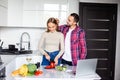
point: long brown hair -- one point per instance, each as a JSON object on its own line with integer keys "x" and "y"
{"x": 54, "y": 21}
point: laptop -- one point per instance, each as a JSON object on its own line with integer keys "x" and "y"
{"x": 86, "y": 67}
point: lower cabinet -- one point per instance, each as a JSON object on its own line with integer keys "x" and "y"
{"x": 19, "y": 61}
{"x": 9, "y": 68}
{"x": 2, "y": 74}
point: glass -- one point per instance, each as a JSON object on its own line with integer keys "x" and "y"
{"x": 28, "y": 59}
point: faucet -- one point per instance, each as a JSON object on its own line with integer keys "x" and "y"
{"x": 21, "y": 40}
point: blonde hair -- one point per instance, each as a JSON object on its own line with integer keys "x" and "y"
{"x": 54, "y": 21}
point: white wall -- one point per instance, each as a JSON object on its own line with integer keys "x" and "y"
{"x": 117, "y": 67}
{"x": 12, "y": 36}
{"x": 73, "y": 6}
{"x": 117, "y": 62}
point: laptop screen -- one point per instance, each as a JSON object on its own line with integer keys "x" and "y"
{"x": 86, "y": 67}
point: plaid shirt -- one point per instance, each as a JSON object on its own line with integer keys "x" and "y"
{"x": 78, "y": 43}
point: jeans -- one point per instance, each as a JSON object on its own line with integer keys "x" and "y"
{"x": 64, "y": 62}
{"x": 52, "y": 57}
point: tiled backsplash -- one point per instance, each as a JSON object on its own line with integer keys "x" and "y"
{"x": 12, "y": 36}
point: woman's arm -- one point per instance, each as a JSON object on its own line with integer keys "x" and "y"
{"x": 41, "y": 48}
{"x": 41, "y": 44}
{"x": 61, "y": 46}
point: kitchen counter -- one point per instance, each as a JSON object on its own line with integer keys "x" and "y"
{"x": 13, "y": 62}
{"x": 10, "y": 62}
{"x": 52, "y": 74}
{"x": 7, "y": 57}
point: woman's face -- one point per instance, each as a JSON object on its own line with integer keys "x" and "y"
{"x": 52, "y": 27}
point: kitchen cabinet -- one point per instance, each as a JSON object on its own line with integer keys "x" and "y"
{"x": 35, "y": 13}
{"x": 44, "y": 4}
{"x": 3, "y": 12}
{"x": 14, "y": 62}
{"x": 8, "y": 64}
{"x": 39, "y": 18}
{"x": 2, "y": 74}
{"x": 15, "y": 12}
{"x": 10, "y": 67}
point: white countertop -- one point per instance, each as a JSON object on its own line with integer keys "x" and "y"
{"x": 6, "y": 59}
{"x": 48, "y": 74}
{"x": 52, "y": 74}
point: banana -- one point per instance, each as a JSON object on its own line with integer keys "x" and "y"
{"x": 23, "y": 70}
{"x": 15, "y": 73}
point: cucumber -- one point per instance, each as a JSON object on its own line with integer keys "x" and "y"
{"x": 60, "y": 68}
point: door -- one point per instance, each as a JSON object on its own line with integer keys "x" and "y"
{"x": 99, "y": 22}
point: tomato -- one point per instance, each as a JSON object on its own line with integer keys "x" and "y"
{"x": 52, "y": 64}
{"x": 38, "y": 72}
{"x": 48, "y": 67}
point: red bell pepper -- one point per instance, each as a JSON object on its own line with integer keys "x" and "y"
{"x": 52, "y": 65}
{"x": 38, "y": 72}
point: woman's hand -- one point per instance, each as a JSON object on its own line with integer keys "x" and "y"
{"x": 47, "y": 56}
{"x": 56, "y": 60}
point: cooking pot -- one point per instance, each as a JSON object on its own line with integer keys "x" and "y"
{"x": 11, "y": 47}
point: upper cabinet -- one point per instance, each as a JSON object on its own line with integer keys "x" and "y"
{"x": 44, "y": 4}
{"x": 35, "y": 13}
{"x": 3, "y": 12}
{"x": 15, "y": 13}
